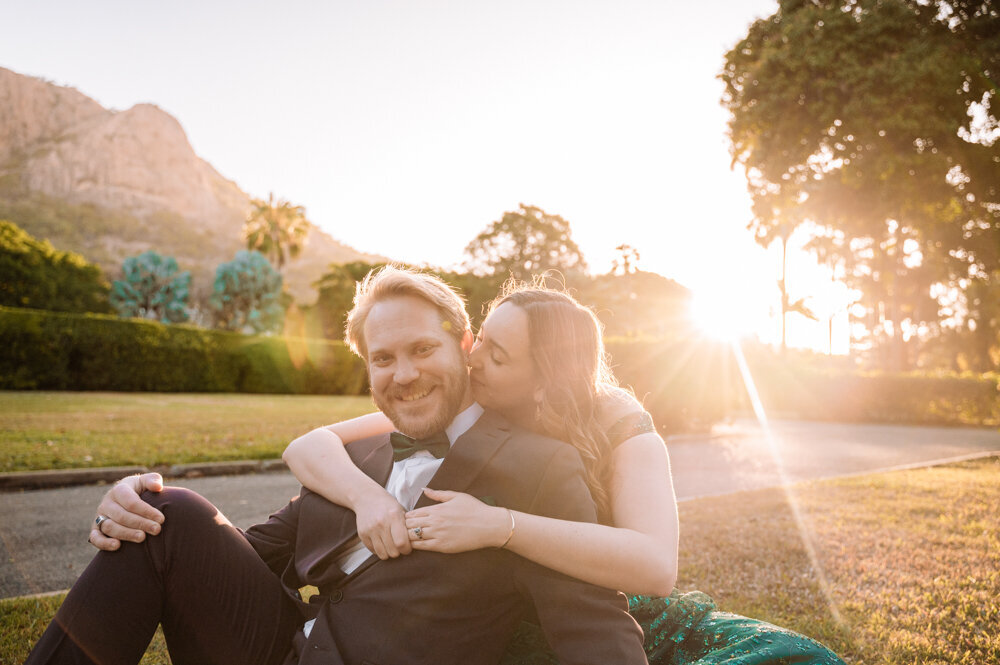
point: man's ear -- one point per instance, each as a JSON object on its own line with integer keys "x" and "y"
{"x": 468, "y": 339}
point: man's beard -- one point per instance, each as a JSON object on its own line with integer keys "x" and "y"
{"x": 448, "y": 398}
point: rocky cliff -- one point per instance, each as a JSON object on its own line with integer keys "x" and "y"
{"x": 63, "y": 153}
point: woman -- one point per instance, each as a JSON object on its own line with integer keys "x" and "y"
{"x": 539, "y": 361}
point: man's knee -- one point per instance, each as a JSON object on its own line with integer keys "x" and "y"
{"x": 180, "y": 505}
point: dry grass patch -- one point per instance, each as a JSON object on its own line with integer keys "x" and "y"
{"x": 909, "y": 562}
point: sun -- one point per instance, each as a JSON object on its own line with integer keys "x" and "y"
{"x": 724, "y": 316}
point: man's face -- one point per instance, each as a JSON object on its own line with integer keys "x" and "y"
{"x": 417, "y": 370}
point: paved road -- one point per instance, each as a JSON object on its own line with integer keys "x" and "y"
{"x": 43, "y": 532}
{"x": 741, "y": 456}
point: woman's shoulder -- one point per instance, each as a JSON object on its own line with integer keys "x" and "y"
{"x": 622, "y": 416}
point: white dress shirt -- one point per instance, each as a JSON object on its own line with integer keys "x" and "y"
{"x": 408, "y": 479}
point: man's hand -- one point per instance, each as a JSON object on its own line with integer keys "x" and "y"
{"x": 382, "y": 525}
{"x": 128, "y": 517}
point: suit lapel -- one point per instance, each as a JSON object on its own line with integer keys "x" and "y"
{"x": 374, "y": 458}
{"x": 469, "y": 455}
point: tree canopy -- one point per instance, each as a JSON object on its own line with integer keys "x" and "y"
{"x": 153, "y": 288}
{"x": 522, "y": 243}
{"x": 869, "y": 123}
{"x": 277, "y": 229}
{"x": 335, "y": 296}
{"x": 246, "y": 296}
{"x": 35, "y": 274}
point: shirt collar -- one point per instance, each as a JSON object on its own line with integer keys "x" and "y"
{"x": 463, "y": 422}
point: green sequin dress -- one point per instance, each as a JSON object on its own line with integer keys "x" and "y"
{"x": 686, "y": 628}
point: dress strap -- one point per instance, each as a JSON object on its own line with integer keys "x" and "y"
{"x": 629, "y": 425}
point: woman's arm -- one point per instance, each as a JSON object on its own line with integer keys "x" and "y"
{"x": 637, "y": 555}
{"x": 321, "y": 463}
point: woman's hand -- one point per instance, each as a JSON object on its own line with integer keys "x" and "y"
{"x": 382, "y": 524}
{"x": 458, "y": 524}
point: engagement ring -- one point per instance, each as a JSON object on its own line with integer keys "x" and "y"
{"x": 419, "y": 532}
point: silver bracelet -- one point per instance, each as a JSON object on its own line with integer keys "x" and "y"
{"x": 511, "y": 534}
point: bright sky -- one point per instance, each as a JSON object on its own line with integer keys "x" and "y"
{"x": 406, "y": 127}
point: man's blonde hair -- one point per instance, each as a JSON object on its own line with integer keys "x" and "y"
{"x": 393, "y": 282}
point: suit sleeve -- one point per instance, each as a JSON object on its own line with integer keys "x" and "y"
{"x": 584, "y": 624}
{"x": 274, "y": 540}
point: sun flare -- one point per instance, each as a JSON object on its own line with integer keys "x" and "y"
{"x": 720, "y": 317}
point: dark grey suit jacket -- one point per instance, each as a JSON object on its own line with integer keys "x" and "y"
{"x": 450, "y": 608}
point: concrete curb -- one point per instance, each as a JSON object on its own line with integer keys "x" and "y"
{"x": 38, "y": 480}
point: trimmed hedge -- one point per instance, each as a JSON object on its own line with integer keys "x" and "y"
{"x": 685, "y": 384}
{"x": 910, "y": 398}
{"x": 52, "y": 351}
{"x": 691, "y": 384}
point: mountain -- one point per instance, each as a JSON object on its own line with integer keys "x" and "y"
{"x": 111, "y": 184}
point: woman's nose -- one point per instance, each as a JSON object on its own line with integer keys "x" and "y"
{"x": 475, "y": 356}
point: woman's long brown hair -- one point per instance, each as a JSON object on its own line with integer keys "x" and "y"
{"x": 567, "y": 350}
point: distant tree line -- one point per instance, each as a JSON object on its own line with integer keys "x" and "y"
{"x": 525, "y": 244}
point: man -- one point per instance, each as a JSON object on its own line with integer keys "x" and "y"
{"x": 223, "y": 596}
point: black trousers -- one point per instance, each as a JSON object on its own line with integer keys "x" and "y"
{"x": 199, "y": 577}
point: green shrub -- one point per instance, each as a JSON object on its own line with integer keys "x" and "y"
{"x": 46, "y": 350}
{"x": 35, "y": 274}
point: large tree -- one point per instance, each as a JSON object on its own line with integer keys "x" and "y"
{"x": 523, "y": 243}
{"x": 277, "y": 229}
{"x": 869, "y": 122}
{"x": 35, "y": 274}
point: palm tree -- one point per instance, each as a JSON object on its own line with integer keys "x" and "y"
{"x": 276, "y": 228}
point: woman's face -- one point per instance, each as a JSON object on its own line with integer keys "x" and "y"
{"x": 501, "y": 371}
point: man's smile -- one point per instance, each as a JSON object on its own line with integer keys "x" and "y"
{"x": 414, "y": 396}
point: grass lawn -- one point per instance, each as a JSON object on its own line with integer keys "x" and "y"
{"x": 58, "y": 430}
{"x": 908, "y": 565}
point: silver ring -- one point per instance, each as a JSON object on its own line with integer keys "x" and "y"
{"x": 101, "y": 519}
{"x": 419, "y": 532}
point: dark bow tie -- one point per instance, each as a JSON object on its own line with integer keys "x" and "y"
{"x": 404, "y": 446}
